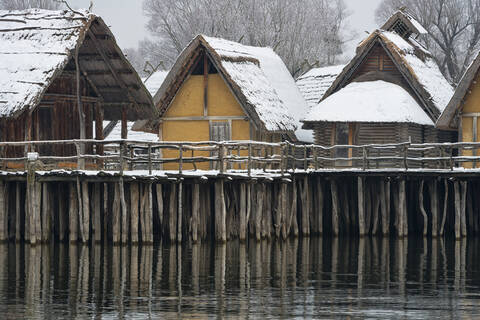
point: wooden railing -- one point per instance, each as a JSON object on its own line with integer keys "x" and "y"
{"x": 121, "y": 155}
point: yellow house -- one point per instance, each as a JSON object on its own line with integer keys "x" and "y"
{"x": 463, "y": 111}
{"x": 220, "y": 90}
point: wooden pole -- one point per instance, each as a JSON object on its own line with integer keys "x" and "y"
{"x": 134, "y": 207}
{"x": 196, "y": 211}
{"x": 46, "y": 212}
{"x": 335, "y": 207}
{"x": 86, "y": 212}
{"x": 385, "y": 206}
{"x": 116, "y": 215}
{"x": 99, "y": 131}
{"x": 172, "y": 213}
{"x": 422, "y": 208}
{"x": 160, "y": 208}
{"x": 73, "y": 214}
{"x": 259, "y": 211}
{"x": 220, "y": 212}
{"x": 284, "y": 209}
{"x": 305, "y": 208}
{"x": 149, "y": 213}
{"x": 320, "y": 201}
{"x": 458, "y": 209}
{"x": 180, "y": 211}
{"x": 3, "y": 212}
{"x": 361, "y": 206}
{"x": 445, "y": 208}
{"x": 97, "y": 210}
{"x": 433, "y": 187}
{"x": 402, "y": 204}
{"x": 242, "y": 232}
{"x": 463, "y": 217}
{"x": 123, "y": 204}
{"x": 81, "y": 114}
{"x": 18, "y": 210}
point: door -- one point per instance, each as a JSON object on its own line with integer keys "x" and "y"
{"x": 219, "y": 131}
{"x": 343, "y": 136}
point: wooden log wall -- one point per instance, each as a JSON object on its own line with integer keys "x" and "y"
{"x": 144, "y": 211}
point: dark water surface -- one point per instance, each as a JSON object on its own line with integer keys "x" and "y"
{"x": 306, "y": 278}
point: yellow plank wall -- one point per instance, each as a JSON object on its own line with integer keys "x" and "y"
{"x": 189, "y": 103}
{"x": 471, "y": 105}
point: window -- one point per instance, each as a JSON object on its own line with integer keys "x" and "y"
{"x": 220, "y": 131}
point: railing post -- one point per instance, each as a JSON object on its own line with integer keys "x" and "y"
{"x": 180, "y": 162}
{"x": 220, "y": 157}
{"x": 315, "y": 157}
{"x": 451, "y": 159}
{"x": 282, "y": 159}
{"x": 149, "y": 159}
{"x": 405, "y": 164}
{"x": 364, "y": 158}
{"x": 249, "y": 164}
{"x": 132, "y": 157}
{"x": 80, "y": 161}
{"x": 305, "y": 159}
{"x": 121, "y": 160}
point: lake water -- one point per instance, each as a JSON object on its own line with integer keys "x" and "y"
{"x": 304, "y": 278}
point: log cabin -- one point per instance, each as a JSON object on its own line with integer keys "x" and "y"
{"x": 463, "y": 111}
{"x": 61, "y": 75}
{"x": 221, "y": 90}
{"x": 392, "y": 91}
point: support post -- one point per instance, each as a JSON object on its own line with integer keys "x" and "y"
{"x": 422, "y": 208}
{"x": 463, "y": 217}
{"x": 73, "y": 214}
{"x": 196, "y": 211}
{"x": 361, "y": 206}
{"x": 3, "y": 212}
{"x": 434, "y": 206}
{"x": 220, "y": 212}
{"x": 97, "y": 226}
{"x": 134, "y": 208}
{"x": 335, "y": 207}
{"x": 458, "y": 209}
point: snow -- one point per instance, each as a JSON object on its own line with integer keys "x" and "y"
{"x": 425, "y": 70}
{"x": 154, "y": 81}
{"x": 372, "y": 101}
{"x": 416, "y": 24}
{"x": 316, "y": 82}
{"x": 116, "y": 133}
{"x": 33, "y": 45}
{"x": 266, "y": 83}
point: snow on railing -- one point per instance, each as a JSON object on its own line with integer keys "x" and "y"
{"x": 121, "y": 155}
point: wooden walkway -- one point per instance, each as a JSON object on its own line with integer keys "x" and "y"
{"x": 253, "y": 190}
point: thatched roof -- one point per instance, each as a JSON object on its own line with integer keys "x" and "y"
{"x": 414, "y": 62}
{"x": 411, "y": 25}
{"x": 37, "y": 46}
{"x": 447, "y": 119}
{"x": 314, "y": 83}
{"x": 257, "y": 77}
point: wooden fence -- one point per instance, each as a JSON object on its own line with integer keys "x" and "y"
{"x": 121, "y": 155}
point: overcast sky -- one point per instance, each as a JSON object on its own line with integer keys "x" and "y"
{"x": 126, "y": 19}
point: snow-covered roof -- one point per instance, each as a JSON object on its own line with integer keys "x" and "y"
{"x": 257, "y": 76}
{"x": 116, "y": 133}
{"x": 35, "y": 47}
{"x": 412, "y": 23}
{"x": 414, "y": 62}
{"x": 371, "y": 101}
{"x": 446, "y": 120}
{"x": 154, "y": 81}
{"x": 314, "y": 83}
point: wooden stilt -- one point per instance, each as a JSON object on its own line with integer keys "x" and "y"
{"x": 433, "y": 187}
{"x": 46, "y": 213}
{"x": 37, "y": 207}
{"x": 123, "y": 212}
{"x": 159, "y": 195}
{"x": 361, "y": 206}
{"x": 403, "y": 208}
{"x": 242, "y": 233}
{"x": 335, "y": 207}
{"x": 283, "y": 209}
{"x": 305, "y": 208}
{"x": 97, "y": 208}
{"x": 116, "y": 215}
{"x": 172, "y": 213}
{"x": 445, "y": 208}
{"x": 319, "y": 199}
{"x": 149, "y": 213}
{"x": 422, "y": 208}
{"x": 73, "y": 214}
{"x": 18, "y": 212}
{"x": 134, "y": 208}
{"x": 463, "y": 217}
{"x": 376, "y": 207}
{"x": 180, "y": 212}
{"x": 106, "y": 211}
{"x": 458, "y": 209}
{"x": 196, "y": 210}
{"x": 220, "y": 213}
{"x": 86, "y": 213}
{"x": 385, "y": 206}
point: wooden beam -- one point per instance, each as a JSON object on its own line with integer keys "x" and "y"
{"x": 104, "y": 72}
{"x": 124, "y": 133}
{"x": 117, "y": 77}
{"x": 205, "y": 84}
{"x": 69, "y": 97}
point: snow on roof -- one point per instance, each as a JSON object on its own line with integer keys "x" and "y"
{"x": 316, "y": 82}
{"x": 266, "y": 83}
{"x": 154, "y": 81}
{"x": 34, "y": 44}
{"x": 372, "y": 101}
{"x": 116, "y": 133}
{"x": 424, "y": 69}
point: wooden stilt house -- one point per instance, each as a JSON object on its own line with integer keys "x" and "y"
{"x": 61, "y": 75}
{"x": 463, "y": 111}
{"x": 392, "y": 91}
{"x": 221, "y": 90}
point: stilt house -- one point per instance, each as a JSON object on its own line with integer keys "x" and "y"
{"x": 221, "y": 90}
{"x": 53, "y": 61}
{"x": 463, "y": 111}
{"x": 392, "y": 91}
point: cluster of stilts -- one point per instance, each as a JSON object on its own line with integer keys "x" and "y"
{"x": 221, "y": 209}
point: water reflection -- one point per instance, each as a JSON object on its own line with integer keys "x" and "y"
{"x": 315, "y": 278}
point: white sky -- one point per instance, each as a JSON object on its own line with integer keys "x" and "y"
{"x": 125, "y": 17}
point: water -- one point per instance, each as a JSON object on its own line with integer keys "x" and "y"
{"x": 309, "y": 278}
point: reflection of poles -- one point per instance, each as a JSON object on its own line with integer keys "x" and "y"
{"x": 401, "y": 260}
{"x": 32, "y": 272}
{"x": 73, "y": 278}
{"x": 423, "y": 257}
{"x": 385, "y": 264}
{"x": 360, "y": 269}
{"x": 134, "y": 275}
{"x": 195, "y": 268}
{"x": 83, "y": 274}
{"x": 434, "y": 264}
{"x": 460, "y": 259}
{"x": 220, "y": 259}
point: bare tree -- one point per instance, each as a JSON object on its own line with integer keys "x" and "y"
{"x": 303, "y": 32}
{"x": 26, "y": 4}
{"x": 453, "y": 26}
